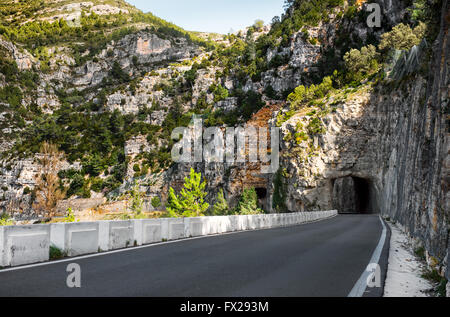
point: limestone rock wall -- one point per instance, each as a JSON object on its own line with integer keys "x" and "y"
{"x": 396, "y": 138}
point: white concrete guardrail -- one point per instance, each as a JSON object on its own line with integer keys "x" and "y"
{"x": 21, "y": 245}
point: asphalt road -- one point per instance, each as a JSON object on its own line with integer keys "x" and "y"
{"x": 320, "y": 259}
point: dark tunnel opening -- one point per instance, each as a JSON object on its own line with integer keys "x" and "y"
{"x": 353, "y": 195}
{"x": 362, "y": 192}
{"x": 262, "y": 196}
{"x": 261, "y": 193}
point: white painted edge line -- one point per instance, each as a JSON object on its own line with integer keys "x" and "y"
{"x": 361, "y": 285}
{"x": 74, "y": 259}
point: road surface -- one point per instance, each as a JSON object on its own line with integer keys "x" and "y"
{"x": 325, "y": 258}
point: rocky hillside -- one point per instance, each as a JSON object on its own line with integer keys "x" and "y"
{"x": 363, "y": 111}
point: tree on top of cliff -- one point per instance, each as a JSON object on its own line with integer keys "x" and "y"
{"x": 402, "y": 37}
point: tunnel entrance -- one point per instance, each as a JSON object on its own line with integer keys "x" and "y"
{"x": 352, "y": 195}
{"x": 262, "y": 197}
{"x": 362, "y": 191}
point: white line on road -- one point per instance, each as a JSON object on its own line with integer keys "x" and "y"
{"x": 361, "y": 285}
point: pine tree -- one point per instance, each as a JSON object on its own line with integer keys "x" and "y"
{"x": 221, "y": 206}
{"x": 248, "y": 205}
{"x": 191, "y": 201}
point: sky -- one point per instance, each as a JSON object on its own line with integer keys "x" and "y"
{"x": 218, "y": 16}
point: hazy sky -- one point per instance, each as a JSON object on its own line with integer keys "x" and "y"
{"x": 212, "y": 15}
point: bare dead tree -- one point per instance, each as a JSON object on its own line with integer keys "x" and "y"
{"x": 48, "y": 189}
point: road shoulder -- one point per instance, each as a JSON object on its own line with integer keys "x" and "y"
{"x": 404, "y": 272}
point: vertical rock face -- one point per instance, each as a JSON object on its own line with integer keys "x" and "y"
{"x": 396, "y": 139}
{"x": 344, "y": 195}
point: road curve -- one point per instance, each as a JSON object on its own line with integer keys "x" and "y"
{"x": 325, "y": 258}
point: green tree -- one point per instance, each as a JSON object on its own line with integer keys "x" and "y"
{"x": 258, "y": 25}
{"x": 402, "y": 37}
{"x": 221, "y": 206}
{"x": 248, "y": 204}
{"x": 191, "y": 201}
{"x": 361, "y": 63}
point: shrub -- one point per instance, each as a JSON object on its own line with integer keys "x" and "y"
{"x": 361, "y": 63}
{"x": 315, "y": 126}
{"x": 303, "y": 94}
{"x": 220, "y": 93}
{"x": 402, "y": 37}
{"x": 248, "y": 204}
{"x": 5, "y": 220}
{"x": 221, "y": 206}
{"x": 70, "y": 216}
{"x": 56, "y": 253}
{"x": 156, "y": 202}
{"x": 137, "y": 202}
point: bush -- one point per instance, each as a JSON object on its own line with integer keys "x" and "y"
{"x": 303, "y": 94}
{"x": 56, "y": 253}
{"x": 315, "y": 126}
{"x": 248, "y": 204}
{"x": 70, "y": 216}
{"x": 361, "y": 63}
{"x": 137, "y": 202}
{"x": 402, "y": 37}
{"x": 220, "y": 93}
{"x": 5, "y": 220}
{"x": 221, "y": 207}
{"x": 156, "y": 202}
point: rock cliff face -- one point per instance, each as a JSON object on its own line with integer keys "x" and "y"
{"x": 385, "y": 145}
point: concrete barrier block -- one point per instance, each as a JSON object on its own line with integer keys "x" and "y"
{"x": 290, "y": 220}
{"x": 138, "y": 227}
{"x": 103, "y": 235}
{"x": 258, "y": 220}
{"x": 242, "y": 223}
{"x": 224, "y": 224}
{"x": 213, "y": 225}
{"x": 234, "y": 222}
{"x": 83, "y": 242}
{"x": 58, "y": 235}
{"x": 283, "y": 220}
{"x": 151, "y": 231}
{"x": 175, "y": 228}
{"x": 75, "y": 238}
{"x": 165, "y": 229}
{"x": 121, "y": 234}
{"x": 25, "y": 244}
{"x": 264, "y": 221}
{"x": 115, "y": 234}
{"x": 198, "y": 226}
{"x": 270, "y": 221}
{"x": 275, "y": 220}
{"x": 251, "y": 222}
